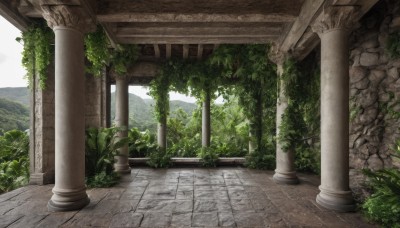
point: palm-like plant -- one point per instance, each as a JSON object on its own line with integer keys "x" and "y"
{"x": 101, "y": 148}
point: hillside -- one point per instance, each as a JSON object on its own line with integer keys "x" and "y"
{"x": 17, "y": 94}
{"x": 141, "y": 111}
{"x": 13, "y": 115}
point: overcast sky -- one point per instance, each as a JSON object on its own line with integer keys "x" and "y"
{"x": 12, "y": 73}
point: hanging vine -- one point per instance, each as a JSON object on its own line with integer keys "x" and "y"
{"x": 37, "y": 52}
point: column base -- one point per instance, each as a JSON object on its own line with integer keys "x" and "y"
{"x": 122, "y": 169}
{"x": 42, "y": 178}
{"x": 68, "y": 200}
{"x": 341, "y": 201}
{"x": 285, "y": 177}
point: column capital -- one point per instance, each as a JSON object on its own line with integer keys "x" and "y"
{"x": 68, "y": 15}
{"x": 336, "y": 17}
{"x": 277, "y": 56}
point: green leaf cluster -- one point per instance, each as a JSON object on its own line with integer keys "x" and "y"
{"x": 14, "y": 160}
{"x": 159, "y": 158}
{"x": 100, "y": 149}
{"x": 299, "y": 129}
{"x": 383, "y": 206}
{"x": 141, "y": 143}
{"x": 100, "y": 55}
{"x": 208, "y": 156}
{"x": 37, "y": 53}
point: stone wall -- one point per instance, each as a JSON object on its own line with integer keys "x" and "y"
{"x": 97, "y": 94}
{"x": 374, "y": 90}
{"x": 42, "y": 131}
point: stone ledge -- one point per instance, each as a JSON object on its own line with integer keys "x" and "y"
{"x": 191, "y": 161}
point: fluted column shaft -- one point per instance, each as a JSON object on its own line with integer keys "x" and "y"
{"x": 69, "y": 192}
{"x": 122, "y": 121}
{"x": 333, "y": 30}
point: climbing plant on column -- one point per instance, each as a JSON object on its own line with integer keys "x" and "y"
{"x": 37, "y": 52}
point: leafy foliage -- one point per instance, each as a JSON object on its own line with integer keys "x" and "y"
{"x": 141, "y": 143}
{"x": 99, "y": 54}
{"x": 393, "y": 45}
{"x": 37, "y": 52}
{"x": 208, "y": 157}
{"x": 299, "y": 129}
{"x": 159, "y": 158}
{"x": 14, "y": 161}
{"x": 384, "y": 204}
{"x": 101, "y": 147}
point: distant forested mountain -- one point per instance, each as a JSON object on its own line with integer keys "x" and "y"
{"x": 15, "y": 114}
{"x": 17, "y": 94}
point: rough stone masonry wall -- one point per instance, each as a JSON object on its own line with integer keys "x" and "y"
{"x": 374, "y": 85}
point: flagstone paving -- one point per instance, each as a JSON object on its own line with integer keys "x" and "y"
{"x": 186, "y": 197}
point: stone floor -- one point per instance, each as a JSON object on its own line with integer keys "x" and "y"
{"x": 187, "y": 197}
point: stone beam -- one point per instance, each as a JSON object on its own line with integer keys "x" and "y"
{"x": 201, "y": 10}
{"x": 168, "y": 51}
{"x": 224, "y": 29}
{"x": 12, "y": 16}
{"x": 307, "y": 13}
{"x": 156, "y": 51}
{"x": 110, "y": 32}
{"x": 185, "y": 51}
{"x": 198, "y": 40}
{"x": 309, "y": 40}
{"x": 199, "y": 51}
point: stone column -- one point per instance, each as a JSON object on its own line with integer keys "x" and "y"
{"x": 121, "y": 120}
{"x": 285, "y": 172}
{"x": 333, "y": 29}
{"x": 69, "y": 24}
{"x": 252, "y": 143}
{"x": 162, "y": 133}
{"x": 206, "y": 122}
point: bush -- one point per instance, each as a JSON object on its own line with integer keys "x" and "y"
{"x": 159, "y": 158}
{"x": 209, "y": 157}
{"x": 101, "y": 148}
{"x": 14, "y": 160}
{"x": 257, "y": 160}
{"x": 141, "y": 144}
{"x": 383, "y": 206}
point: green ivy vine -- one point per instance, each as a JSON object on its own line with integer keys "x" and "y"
{"x": 100, "y": 55}
{"x": 299, "y": 129}
{"x": 37, "y": 52}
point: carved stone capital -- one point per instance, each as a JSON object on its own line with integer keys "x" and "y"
{"x": 72, "y": 16}
{"x": 117, "y": 77}
{"x": 336, "y": 17}
{"x": 277, "y": 56}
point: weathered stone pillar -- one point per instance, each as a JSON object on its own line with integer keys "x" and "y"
{"x": 69, "y": 24}
{"x": 121, "y": 121}
{"x": 252, "y": 141}
{"x": 162, "y": 133}
{"x": 333, "y": 29}
{"x": 206, "y": 121}
{"x": 285, "y": 172}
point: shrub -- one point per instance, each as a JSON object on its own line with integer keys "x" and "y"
{"x": 383, "y": 205}
{"x": 101, "y": 148}
{"x": 14, "y": 161}
{"x": 159, "y": 158}
{"x": 209, "y": 157}
{"x": 141, "y": 143}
